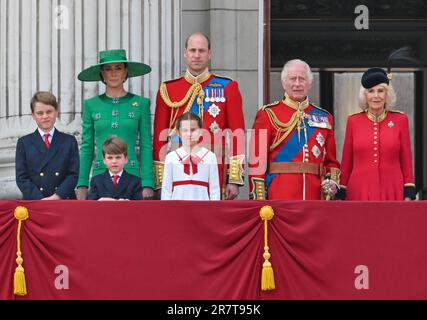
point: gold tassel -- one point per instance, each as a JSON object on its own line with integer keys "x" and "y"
{"x": 267, "y": 276}
{"x": 19, "y": 284}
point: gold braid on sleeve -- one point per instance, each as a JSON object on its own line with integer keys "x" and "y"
{"x": 258, "y": 191}
{"x": 158, "y": 174}
{"x": 336, "y": 175}
{"x": 235, "y": 171}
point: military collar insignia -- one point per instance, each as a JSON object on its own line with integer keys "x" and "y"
{"x": 375, "y": 118}
{"x": 295, "y": 104}
{"x": 198, "y": 79}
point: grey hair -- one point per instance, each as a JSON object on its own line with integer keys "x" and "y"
{"x": 284, "y": 73}
{"x": 390, "y": 96}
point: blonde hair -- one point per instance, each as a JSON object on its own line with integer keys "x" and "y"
{"x": 390, "y": 96}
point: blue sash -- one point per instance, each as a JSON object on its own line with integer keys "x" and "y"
{"x": 292, "y": 147}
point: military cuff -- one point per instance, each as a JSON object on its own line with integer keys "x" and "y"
{"x": 335, "y": 175}
{"x": 158, "y": 174}
{"x": 258, "y": 189}
{"x": 236, "y": 171}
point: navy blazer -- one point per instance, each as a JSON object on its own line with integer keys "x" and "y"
{"x": 129, "y": 187}
{"x": 41, "y": 172}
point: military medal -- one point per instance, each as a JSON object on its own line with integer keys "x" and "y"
{"x": 207, "y": 99}
{"x": 390, "y": 124}
{"x": 217, "y": 97}
{"x": 320, "y": 139}
{"x": 222, "y": 96}
{"x": 214, "y": 110}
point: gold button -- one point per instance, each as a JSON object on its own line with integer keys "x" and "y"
{"x": 41, "y": 174}
{"x": 56, "y": 173}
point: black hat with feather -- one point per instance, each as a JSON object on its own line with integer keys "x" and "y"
{"x": 375, "y": 76}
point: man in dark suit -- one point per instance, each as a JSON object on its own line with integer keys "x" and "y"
{"x": 115, "y": 183}
{"x": 47, "y": 160}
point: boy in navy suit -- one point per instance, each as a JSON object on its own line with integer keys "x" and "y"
{"x": 47, "y": 160}
{"x": 115, "y": 183}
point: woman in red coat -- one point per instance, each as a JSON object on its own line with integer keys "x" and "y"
{"x": 377, "y": 160}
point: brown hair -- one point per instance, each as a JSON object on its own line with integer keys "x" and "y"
{"x": 188, "y": 116}
{"x": 44, "y": 97}
{"x": 114, "y": 145}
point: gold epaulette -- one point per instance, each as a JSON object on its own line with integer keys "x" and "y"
{"x": 320, "y": 108}
{"x": 269, "y": 105}
{"x": 172, "y": 80}
{"x": 217, "y": 76}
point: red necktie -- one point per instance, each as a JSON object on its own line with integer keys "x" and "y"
{"x": 115, "y": 179}
{"x": 192, "y": 160}
{"x": 46, "y": 140}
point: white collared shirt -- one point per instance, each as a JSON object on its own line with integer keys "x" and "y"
{"x": 116, "y": 174}
{"x": 42, "y": 133}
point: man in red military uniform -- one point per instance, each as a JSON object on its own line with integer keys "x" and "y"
{"x": 217, "y": 100}
{"x": 292, "y": 154}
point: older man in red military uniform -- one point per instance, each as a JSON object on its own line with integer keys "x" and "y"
{"x": 217, "y": 100}
{"x": 292, "y": 154}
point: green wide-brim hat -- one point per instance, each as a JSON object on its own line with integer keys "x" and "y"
{"x": 93, "y": 73}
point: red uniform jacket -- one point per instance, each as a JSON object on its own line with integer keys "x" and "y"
{"x": 287, "y": 162}
{"x": 377, "y": 158}
{"x": 219, "y": 102}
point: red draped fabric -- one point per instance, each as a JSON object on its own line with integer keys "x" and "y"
{"x": 213, "y": 250}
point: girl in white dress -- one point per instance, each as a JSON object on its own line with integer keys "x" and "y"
{"x": 191, "y": 171}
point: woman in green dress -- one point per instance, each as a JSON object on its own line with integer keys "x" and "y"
{"x": 119, "y": 113}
